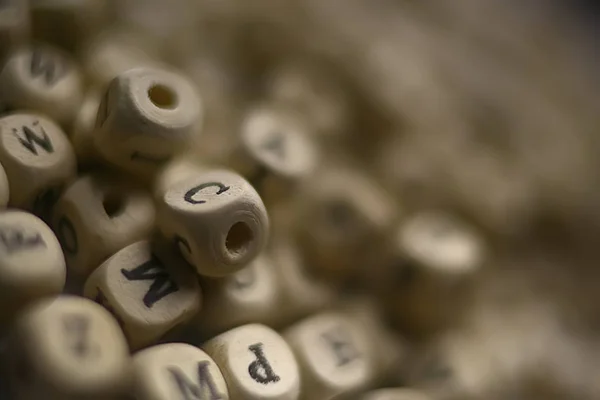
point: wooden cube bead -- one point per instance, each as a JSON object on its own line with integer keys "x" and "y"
{"x": 38, "y": 159}
{"x": 274, "y": 152}
{"x": 177, "y": 371}
{"x": 217, "y": 219}
{"x": 146, "y": 116}
{"x": 42, "y": 79}
{"x": 256, "y": 362}
{"x": 333, "y": 353}
{"x": 68, "y": 348}
{"x": 437, "y": 258}
{"x": 97, "y": 216}
{"x": 173, "y": 172}
{"x": 249, "y": 295}
{"x": 32, "y": 264}
{"x": 14, "y": 26}
{"x": 83, "y": 127}
{"x": 149, "y": 289}
{"x": 301, "y": 293}
{"x": 4, "y": 188}
{"x": 111, "y": 53}
{"x": 395, "y": 394}
{"x": 350, "y": 219}
{"x": 66, "y": 23}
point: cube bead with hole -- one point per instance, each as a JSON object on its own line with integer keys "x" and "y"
{"x": 38, "y": 159}
{"x": 173, "y": 172}
{"x": 249, "y": 295}
{"x": 42, "y": 79}
{"x": 14, "y": 26}
{"x": 67, "y": 24}
{"x": 148, "y": 288}
{"x": 256, "y": 362}
{"x": 333, "y": 353}
{"x": 177, "y": 371}
{"x": 274, "y": 152}
{"x": 68, "y": 348}
{"x": 97, "y": 216}
{"x": 350, "y": 217}
{"x": 395, "y": 394}
{"x": 217, "y": 220}
{"x": 32, "y": 264}
{"x": 146, "y": 116}
{"x": 4, "y": 188}
{"x": 435, "y": 260}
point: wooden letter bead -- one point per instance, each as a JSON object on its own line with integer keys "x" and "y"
{"x": 256, "y": 362}
{"x": 44, "y": 80}
{"x": 83, "y": 127}
{"x": 4, "y": 188}
{"x": 68, "y": 348}
{"x": 437, "y": 258}
{"x": 38, "y": 159}
{"x": 146, "y": 116}
{"x": 333, "y": 353}
{"x": 174, "y": 172}
{"x": 249, "y": 295}
{"x": 148, "y": 289}
{"x": 218, "y": 221}
{"x": 350, "y": 218}
{"x": 395, "y": 394}
{"x": 14, "y": 26}
{"x": 97, "y": 216}
{"x": 274, "y": 153}
{"x": 177, "y": 371}
{"x": 32, "y": 264}
{"x": 67, "y": 23}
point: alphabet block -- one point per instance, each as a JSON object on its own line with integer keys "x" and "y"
{"x": 334, "y": 355}
{"x": 32, "y": 264}
{"x": 256, "y": 362}
{"x": 217, "y": 219}
{"x": 38, "y": 159}
{"x": 68, "y": 348}
{"x": 97, "y": 216}
{"x": 148, "y": 289}
{"x": 146, "y": 116}
{"x": 42, "y": 79}
{"x": 177, "y": 371}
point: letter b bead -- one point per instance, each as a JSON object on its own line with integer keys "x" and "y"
{"x": 256, "y": 362}
{"x": 217, "y": 220}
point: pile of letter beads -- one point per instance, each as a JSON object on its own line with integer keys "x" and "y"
{"x": 132, "y": 267}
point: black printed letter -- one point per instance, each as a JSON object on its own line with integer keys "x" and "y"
{"x": 341, "y": 345}
{"x": 32, "y": 138}
{"x": 15, "y": 239}
{"x": 189, "y": 196}
{"x": 190, "y": 391}
{"x": 153, "y": 270}
{"x": 260, "y": 370}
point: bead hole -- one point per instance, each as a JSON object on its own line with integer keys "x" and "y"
{"x": 238, "y": 238}
{"x": 162, "y": 96}
{"x": 113, "y": 204}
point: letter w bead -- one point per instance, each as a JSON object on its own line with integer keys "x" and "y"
{"x": 32, "y": 139}
{"x": 191, "y": 391}
{"x": 153, "y": 270}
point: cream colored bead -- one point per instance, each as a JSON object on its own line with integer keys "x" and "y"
{"x": 437, "y": 258}
{"x": 333, "y": 353}
{"x": 14, "y": 26}
{"x": 67, "y": 23}
{"x": 256, "y": 362}
{"x": 177, "y": 371}
{"x": 146, "y": 116}
{"x": 113, "y": 52}
{"x": 274, "y": 152}
{"x": 97, "y": 216}
{"x": 349, "y": 219}
{"x": 83, "y": 129}
{"x": 395, "y": 394}
{"x": 217, "y": 219}
{"x": 249, "y": 295}
{"x": 4, "y": 188}
{"x": 32, "y": 264}
{"x": 38, "y": 159}
{"x": 68, "y": 348}
{"x": 301, "y": 293}
{"x": 148, "y": 289}
{"x": 175, "y": 171}
{"x": 42, "y": 79}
